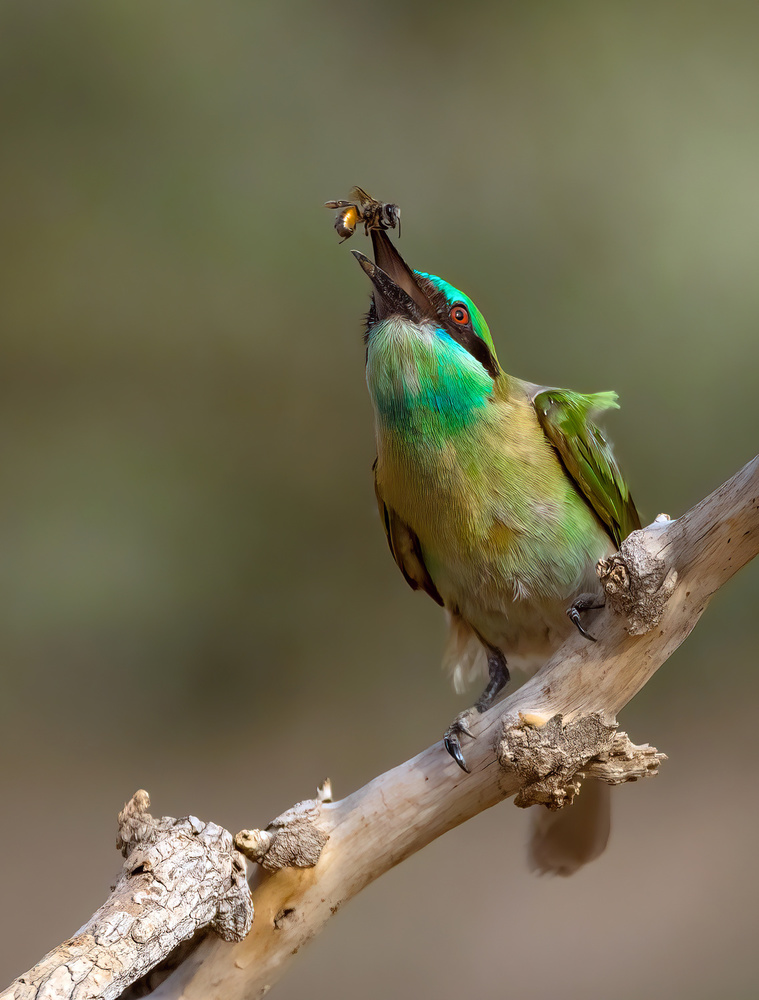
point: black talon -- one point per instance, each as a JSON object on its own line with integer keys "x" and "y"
{"x": 585, "y": 602}
{"x": 451, "y": 739}
{"x": 574, "y": 617}
{"x": 453, "y": 747}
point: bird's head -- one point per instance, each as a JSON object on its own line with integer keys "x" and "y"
{"x": 416, "y": 301}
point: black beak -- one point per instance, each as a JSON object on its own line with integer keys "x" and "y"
{"x": 389, "y": 298}
{"x": 397, "y": 292}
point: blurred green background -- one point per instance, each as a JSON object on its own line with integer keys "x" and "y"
{"x": 196, "y": 593}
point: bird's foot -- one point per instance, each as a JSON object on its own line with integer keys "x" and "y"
{"x": 459, "y": 727}
{"x": 585, "y": 602}
{"x": 499, "y": 678}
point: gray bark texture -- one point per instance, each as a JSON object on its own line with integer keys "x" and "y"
{"x": 537, "y": 745}
{"x": 179, "y": 875}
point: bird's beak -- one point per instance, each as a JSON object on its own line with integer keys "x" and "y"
{"x": 397, "y": 292}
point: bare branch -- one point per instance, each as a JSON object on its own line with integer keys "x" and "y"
{"x": 538, "y": 744}
{"x": 402, "y": 810}
{"x": 178, "y": 876}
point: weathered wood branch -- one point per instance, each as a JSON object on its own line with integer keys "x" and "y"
{"x": 179, "y": 875}
{"x": 538, "y": 744}
{"x": 404, "y": 809}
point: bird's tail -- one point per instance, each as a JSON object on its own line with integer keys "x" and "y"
{"x": 563, "y": 841}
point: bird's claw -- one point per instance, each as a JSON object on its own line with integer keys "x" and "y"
{"x": 459, "y": 727}
{"x": 585, "y": 602}
{"x": 574, "y": 617}
{"x": 452, "y": 745}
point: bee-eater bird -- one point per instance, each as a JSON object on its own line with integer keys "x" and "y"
{"x": 498, "y": 497}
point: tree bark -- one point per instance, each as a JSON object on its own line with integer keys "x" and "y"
{"x": 539, "y": 744}
{"x": 178, "y": 876}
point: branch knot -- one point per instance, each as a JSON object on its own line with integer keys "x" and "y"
{"x": 548, "y": 759}
{"x": 292, "y": 840}
{"x": 552, "y": 761}
{"x": 636, "y": 580}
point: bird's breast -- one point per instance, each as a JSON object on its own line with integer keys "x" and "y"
{"x": 499, "y": 523}
{"x": 463, "y": 461}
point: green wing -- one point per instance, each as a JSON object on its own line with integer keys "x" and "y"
{"x": 406, "y": 549}
{"x": 565, "y": 419}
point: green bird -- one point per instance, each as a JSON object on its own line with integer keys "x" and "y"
{"x": 498, "y": 497}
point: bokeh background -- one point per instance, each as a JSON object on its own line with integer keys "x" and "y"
{"x": 196, "y": 593}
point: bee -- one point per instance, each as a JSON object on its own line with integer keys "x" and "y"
{"x": 363, "y": 208}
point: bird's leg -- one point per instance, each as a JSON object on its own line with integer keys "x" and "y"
{"x": 499, "y": 678}
{"x": 585, "y": 602}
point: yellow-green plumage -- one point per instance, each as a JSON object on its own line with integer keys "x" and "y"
{"x": 498, "y": 497}
{"x": 506, "y": 539}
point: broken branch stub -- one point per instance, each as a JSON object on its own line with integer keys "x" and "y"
{"x": 637, "y": 581}
{"x": 625, "y": 761}
{"x": 292, "y": 840}
{"x": 179, "y": 875}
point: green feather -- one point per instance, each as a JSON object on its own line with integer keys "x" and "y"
{"x": 497, "y": 496}
{"x": 565, "y": 418}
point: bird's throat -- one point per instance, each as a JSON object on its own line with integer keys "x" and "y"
{"x": 424, "y": 386}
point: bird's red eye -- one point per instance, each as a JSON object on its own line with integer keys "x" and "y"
{"x": 459, "y": 314}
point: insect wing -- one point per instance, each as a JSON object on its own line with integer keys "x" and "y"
{"x": 365, "y": 200}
